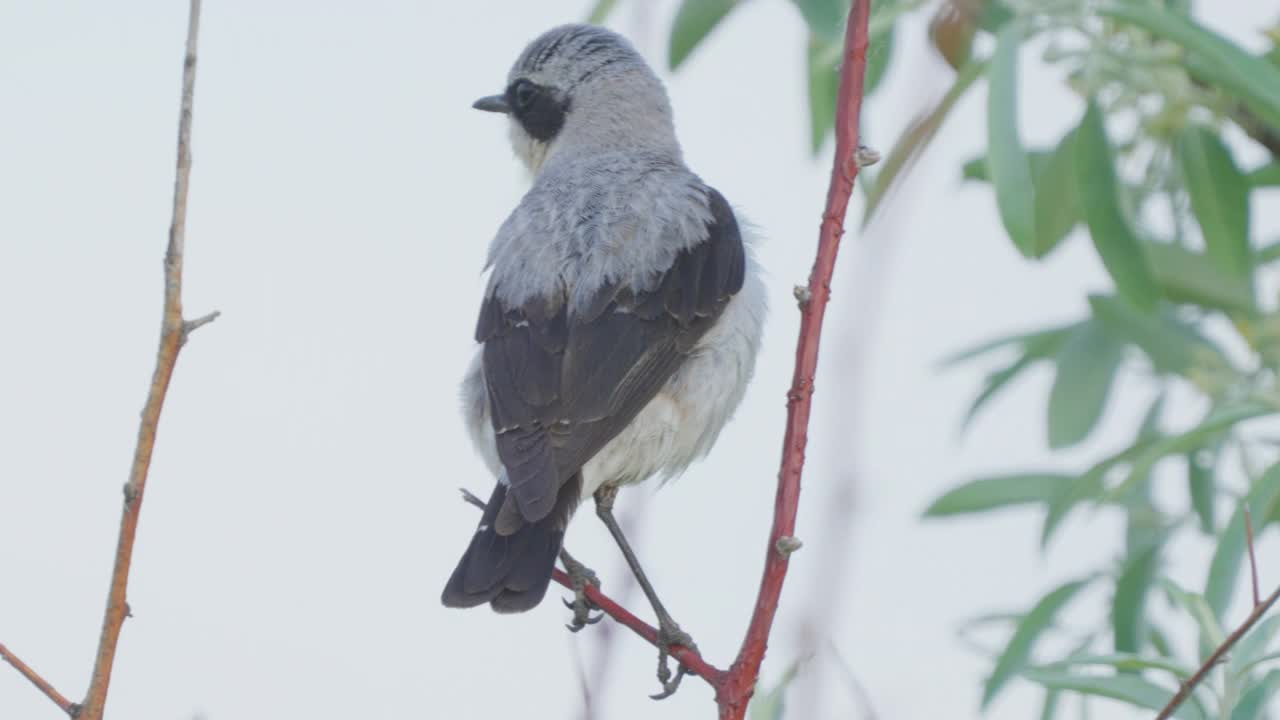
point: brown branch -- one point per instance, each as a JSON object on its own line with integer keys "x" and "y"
{"x": 173, "y": 331}
{"x": 1184, "y": 691}
{"x": 68, "y": 707}
{"x": 734, "y": 694}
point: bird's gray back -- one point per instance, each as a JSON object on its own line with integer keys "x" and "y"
{"x": 614, "y": 218}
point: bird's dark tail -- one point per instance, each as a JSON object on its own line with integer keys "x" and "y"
{"x": 511, "y": 572}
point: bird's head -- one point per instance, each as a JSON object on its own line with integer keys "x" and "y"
{"x": 583, "y": 89}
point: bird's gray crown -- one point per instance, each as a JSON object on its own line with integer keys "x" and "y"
{"x": 582, "y": 89}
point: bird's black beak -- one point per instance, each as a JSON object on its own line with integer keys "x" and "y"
{"x": 492, "y": 103}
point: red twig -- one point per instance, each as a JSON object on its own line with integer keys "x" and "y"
{"x": 690, "y": 659}
{"x": 41, "y": 684}
{"x": 1184, "y": 691}
{"x": 733, "y": 695}
{"x": 1253, "y": 560}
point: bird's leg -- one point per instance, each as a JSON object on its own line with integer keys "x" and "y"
{"x": 580, "y": 576}
{"x": 669, "y": 633}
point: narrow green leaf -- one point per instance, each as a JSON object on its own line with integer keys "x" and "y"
{"x": 1211, "y": 633}
{"x": 1200, "y": 465}
{"x": 1171, "y": 346}
{"x": 1112, "y": 235}
{"x": 1039, "y": 344}
{"x": 917, "y": 136}
{"x": 1219, "y": 198}
{"x": 1086, "y": 486}
{"x": 824, "y": 81}
{"x": 1006, "y": 158}
{"x": 994, "y": 15}
{"x": 1215, "y": 59}
{"x": 1050, "y": 708}
{"x": 976, "y": 169}
{"x": 1018, "y": 651}
{"x": 1124, "y": 662}
{"x": 694, "y": 21}
{"x": 879, "y": 53}
{"x": 1254, "y": 644}
{"x": 601, "y": 10}
{"x": 1087, "y": 365}
{"x": 1253, "y": 701}
{"x": 771, "y": 705}
{"x": 1126, "y": 688}
{"x": 1266, "y": 176}
{"x": 1208, "y": 431}
{"x": 825, "y": 18}
{"x": 1057, "y": 201}
{"x": 1188, "y": 276}
{"x": 1224, "y": 569}
{"x": 1128, "y": 606}
{"x": 997, "y": 492}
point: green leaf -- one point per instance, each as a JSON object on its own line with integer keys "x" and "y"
{"x": 1213, "y": 58}
{"x": 1006, "y": 158}
{"x": 1253, "y": 701}
{"x": 824, "y": 81}
{"x": 771, "y": 705}
{"x": 1254, "y": 645}
{"x": 976, "y": 169}
{"x": 1224, "y": 569}
{"x": 1112, "y": 235}
{"x": 1209, "y": 429}
{"x": 879, "y": 53}
{"x": 997, "y": 492}
{"x": 1211, "y": 634}
{"x": 1171, "y": 346}
{"x": 1086, "y": 486}
{"x": 825, "y": 18}
{"x": 1219, "y": 198}
{"x": 1266, "y": 176}
{"x": 1188, "y": 276}
{"x": 1200, "y": 465}
{"x": 1018, "y": 651}
{"x": 1126, "y": 688}
{"x": 994, "y": 15}
{"x": 1125, "y": 662}
{"x": 1057, "y": 202}
{"x": 1039, "y": 344}
{"x": 601, "y": 10}
{"x": 1087, "y": 365}
{"x": 694, "y": 21}
{"x": 1050, "y": 708}
{"x": 917, "y": 136}
{"x": 1128, "y": 606}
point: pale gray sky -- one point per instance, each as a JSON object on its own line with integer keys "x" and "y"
{"x": 302, "y": 514}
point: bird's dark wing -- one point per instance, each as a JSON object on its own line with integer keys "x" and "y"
{"x": 561, "y": 386}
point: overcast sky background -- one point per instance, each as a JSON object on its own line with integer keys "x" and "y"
{"x": 302, "y": 514}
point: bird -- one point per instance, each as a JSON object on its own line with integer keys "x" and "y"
{"x": 619, "y": 326}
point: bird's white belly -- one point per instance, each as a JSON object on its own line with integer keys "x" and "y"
{"x": 682, "y": 421}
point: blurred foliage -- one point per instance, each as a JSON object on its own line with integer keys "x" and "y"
{"x": 1147, "y": 174}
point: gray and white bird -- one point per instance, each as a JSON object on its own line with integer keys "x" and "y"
{"x": 620, "y": 326}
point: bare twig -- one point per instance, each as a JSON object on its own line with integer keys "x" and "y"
{"x": 1184, "y": 691}
{"x": 173, "y": 330}
{"x": 68, "y": 707}
{"x": 734, "y": 694}
{"x": 1253, "y": 559}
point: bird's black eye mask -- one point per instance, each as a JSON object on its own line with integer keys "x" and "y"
{"x": 536, "y": 108}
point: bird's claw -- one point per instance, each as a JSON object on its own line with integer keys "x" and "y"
{"x": 580, "y": 577}
{"x": 669, "y": 633}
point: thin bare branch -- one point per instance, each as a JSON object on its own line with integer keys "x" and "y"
{"x": 68, "y": 707}
{"x": 173, "y": 331}
{"x": 1184, "y": 691}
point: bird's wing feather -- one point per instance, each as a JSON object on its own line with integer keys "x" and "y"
{"x": 562, "y": 385}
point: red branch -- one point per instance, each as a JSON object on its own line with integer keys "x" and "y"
{"x": 733, "y": 696}
{"x": 41, "y": 684}
{"x": 689, "y": 658}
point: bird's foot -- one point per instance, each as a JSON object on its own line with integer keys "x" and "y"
{"x": 580, "y": 577}
{"x": 669, "y": 633}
